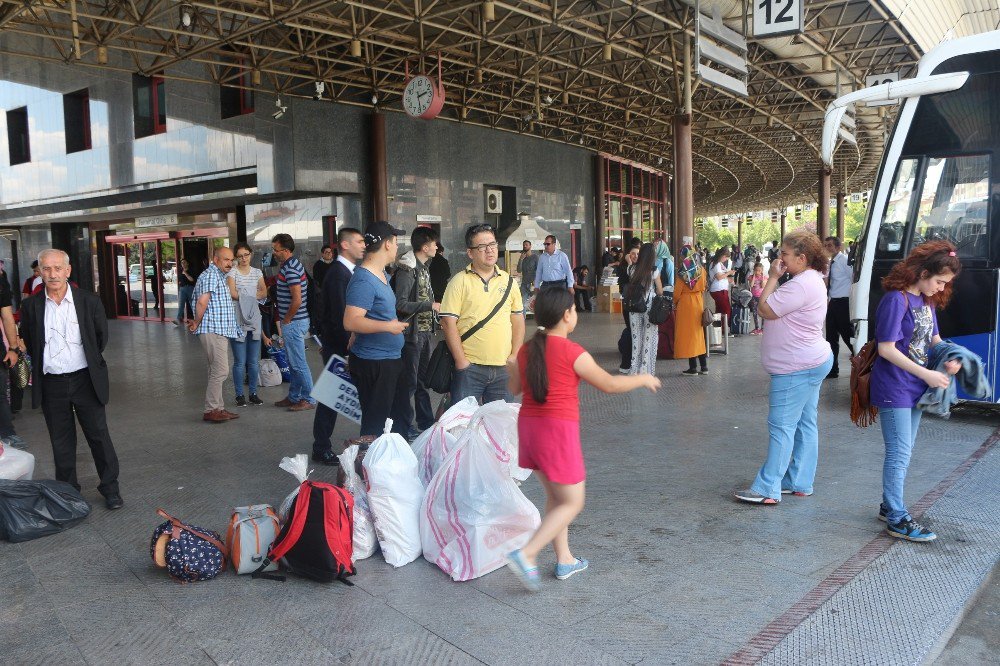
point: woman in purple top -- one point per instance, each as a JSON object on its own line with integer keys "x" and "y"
{"x": 795, "y": 353}
{"x": 906, "y": 330}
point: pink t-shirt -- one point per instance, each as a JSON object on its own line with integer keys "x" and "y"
{"x": 794, "y": 341}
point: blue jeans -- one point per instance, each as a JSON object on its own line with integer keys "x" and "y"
{"x": 295, "y": 346}
{"x": 184, "y": 302}
{"x": 791, "y": 420}
{"x": 899, "y": 430}
{"x": 246, "y": 361}
{"x": 486, "y": 383}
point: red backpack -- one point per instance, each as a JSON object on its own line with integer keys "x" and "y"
{"x": 317, "y": 539}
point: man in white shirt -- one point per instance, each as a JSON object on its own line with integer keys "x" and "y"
{"x": 553, "y": 268}
{"x": 65, "y": 330}
{"x": 838, "y": 314}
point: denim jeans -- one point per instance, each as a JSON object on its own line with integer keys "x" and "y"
{"x": 295, "y": 347}
{"x": 416, "y": 355}
{"x": 791, "y": 420}
{"x": 246, "y": 361}
{"x": 184, "y": 302}
{"x": 486, "y": 383}
{"x": 899, "y": 431}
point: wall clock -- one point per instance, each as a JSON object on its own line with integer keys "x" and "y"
{"x": 423, "y": 96}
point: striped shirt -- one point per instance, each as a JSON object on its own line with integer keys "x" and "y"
{"x": 220, "y": 315}
{"x": 292, "y": 273}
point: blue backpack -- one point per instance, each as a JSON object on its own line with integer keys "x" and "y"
{"x": 188, "y": 553}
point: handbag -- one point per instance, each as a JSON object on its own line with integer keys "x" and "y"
{"x": 20, "y": 372}
{"x": 863, "y": 413}
{"x": 635, "y": 299}
{"x": 441, "y": 365}
{"x": 708, "y": 314}
{"x": 659, "y": 309}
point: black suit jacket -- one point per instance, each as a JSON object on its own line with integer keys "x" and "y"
{"x": 93, "y": 332}
{"x": 334, "y": 295}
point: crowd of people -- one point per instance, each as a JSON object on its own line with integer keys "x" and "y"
{"x": 385, "y": 322}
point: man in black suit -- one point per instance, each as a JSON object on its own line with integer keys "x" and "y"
{"x": 351, "y": 246}
{"x": 65, "y": 331}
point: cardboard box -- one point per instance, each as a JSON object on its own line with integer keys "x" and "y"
{"x": 608, "y": 299}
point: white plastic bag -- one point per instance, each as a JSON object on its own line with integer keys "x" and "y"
{"x": 365, "y": 541}
{"x": 496, "y": 422}
{"x": 394, "y": 495}
{"x": 297, "y": 466}
{"x": 474, "y": 513}
{"x": 434, "y": 444}
{"x": 16, "y": 465}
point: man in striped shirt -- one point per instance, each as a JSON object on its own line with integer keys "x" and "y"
{"x": 293, "y": 299}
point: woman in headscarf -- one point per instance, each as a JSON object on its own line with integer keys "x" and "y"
{"x": 664, "y": 261}
{"x": 689, "y": 303}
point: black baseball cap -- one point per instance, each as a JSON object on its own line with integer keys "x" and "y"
{"x": 376, "y": 232}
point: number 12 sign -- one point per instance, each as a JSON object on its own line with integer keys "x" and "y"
{"x": 772, "y": 18}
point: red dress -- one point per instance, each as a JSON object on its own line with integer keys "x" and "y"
{"x": 549, "y": 432}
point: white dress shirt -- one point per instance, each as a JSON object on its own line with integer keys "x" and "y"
{"x": 63, "y": 342}
{"x": 347, "y": 262}
{"x": 840, "y": 277}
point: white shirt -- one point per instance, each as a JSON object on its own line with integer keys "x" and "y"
{"x": 63, "y": 344}
{"x": 723, "y": 284}
{"x": 347, "y": 262}
{"x": 840, "y": 277}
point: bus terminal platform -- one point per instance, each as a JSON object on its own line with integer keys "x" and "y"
{"x": 679, "y": 572}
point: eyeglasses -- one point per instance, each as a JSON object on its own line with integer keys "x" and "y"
{"x": 243, "y": 255}
{"x": 485, "y": 247}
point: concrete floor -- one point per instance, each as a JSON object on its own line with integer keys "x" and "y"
{"x": 679, "y": 572}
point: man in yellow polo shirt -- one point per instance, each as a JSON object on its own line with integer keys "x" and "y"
{"x": 472, "y": 294}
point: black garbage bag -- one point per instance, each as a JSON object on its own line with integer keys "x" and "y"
{"x": 32, "y": 509}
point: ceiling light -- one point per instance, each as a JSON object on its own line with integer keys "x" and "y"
{"x": 548, "y": 100}
{"x": 280, "y": 110}
{"x": 320, "y": 89}
{"x": 374, "y": 99}
{"x": 607, "y": 51}
{"x": 187, "y": 15}
{"x": 489, "y": 11}
{"x": 355, "y": 48}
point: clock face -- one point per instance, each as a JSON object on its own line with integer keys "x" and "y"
{"x": 418, "y": 96}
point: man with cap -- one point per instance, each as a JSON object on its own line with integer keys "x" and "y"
{"x": 370, "y": 315}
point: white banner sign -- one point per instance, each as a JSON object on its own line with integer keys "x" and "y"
{"x": 772, "y": 18}
{"x": 335, "y": 389}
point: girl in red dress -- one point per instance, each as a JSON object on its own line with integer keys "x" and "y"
{"x": 549, "y": 369}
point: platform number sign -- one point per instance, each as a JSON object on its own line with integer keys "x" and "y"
{"x": 772, "y": 18}
{"x": 877, "y": 80}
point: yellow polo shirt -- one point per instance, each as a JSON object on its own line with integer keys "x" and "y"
{"x": 468, "y": 298}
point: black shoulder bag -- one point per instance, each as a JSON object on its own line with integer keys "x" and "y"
{"x": 441, "y": 365}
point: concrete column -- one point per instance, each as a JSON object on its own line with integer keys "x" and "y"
{"x": 784, "y": 222}
{"x": 376, "y": 157}
{"x": 683, "y": 177}
{"x": 841, "y": 211}
{"x": 739, "y": 232}
{"x": 823, "y": 212}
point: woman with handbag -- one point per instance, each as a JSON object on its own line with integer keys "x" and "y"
{"x": 689, "y": 313}
{"x": 796, "y": 355}
{"x": 643, "y": 283}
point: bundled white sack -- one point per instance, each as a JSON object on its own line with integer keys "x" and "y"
{"x": 16, "y": 465}
{"x": 474, "y": 513}
{"x": 496, "y": 422}
{"x": 297, "y": 466}
{"x": 365, "y": 541}
{"x": 394, "y": 496}
{"x": 434, "y": 444}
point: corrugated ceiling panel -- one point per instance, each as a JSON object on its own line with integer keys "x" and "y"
{"x": 929, "y": 21}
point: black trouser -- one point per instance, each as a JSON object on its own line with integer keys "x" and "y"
{"x": 625, "y": 342}
{"x": 554, "y": 283}
{"x": 416, "y": 355}
{"x": 702, "y": 360}
{"x": 376, "y": 384}
{"x": 62, "y": 395}
{"x": 838, "y": 325}
{"x": 6, "y": 418}
{"x": 325, "y": 419}
{"x": 583, "y": 301}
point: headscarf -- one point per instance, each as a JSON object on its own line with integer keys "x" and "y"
{"x": 690, "y": 269}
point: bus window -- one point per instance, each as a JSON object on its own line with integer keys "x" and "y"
{"x": 953, "y": 204}
{"x": 897, "y": 211}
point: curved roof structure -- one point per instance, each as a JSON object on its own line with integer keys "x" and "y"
{"x": 605, "y": 74}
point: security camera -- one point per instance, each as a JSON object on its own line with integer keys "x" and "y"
{"x": 320, "y": 89}
{"x": 280, "y": 109}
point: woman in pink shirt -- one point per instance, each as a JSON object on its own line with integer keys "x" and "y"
{"x": 796, "y": 355}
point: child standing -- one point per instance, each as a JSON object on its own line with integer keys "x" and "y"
{"x": 549, "y": 368}
{"x": 757, "y": 282}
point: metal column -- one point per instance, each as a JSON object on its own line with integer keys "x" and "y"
{"x": 823, "y": 212}
{"x": 379, "y": 187}
{"x": 841, "y": 212}
{"x": 683, "y": 178}
{"x": 600, "y": 197}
